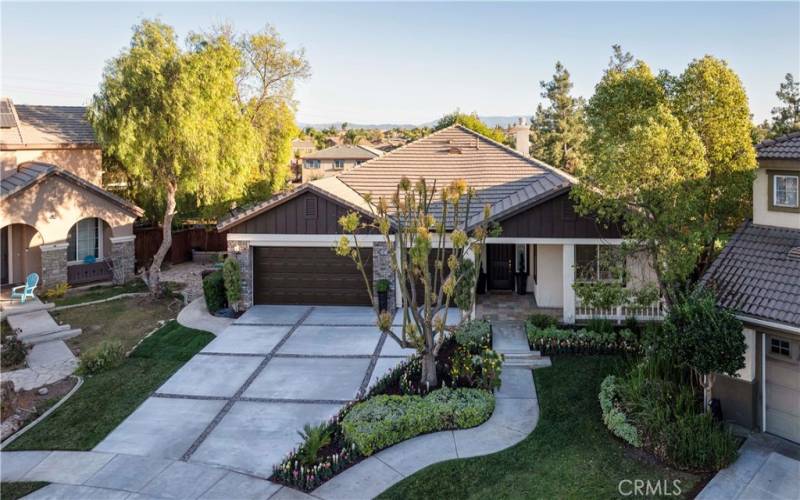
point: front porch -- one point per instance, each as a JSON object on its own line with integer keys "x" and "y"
{"x": 524, "y": 276}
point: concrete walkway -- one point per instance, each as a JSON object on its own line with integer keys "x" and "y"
{"x": 109, "y": 476}
{"x": 768, "y": 468}
{"x": 49, "y": 359}
{"x": 196, "y": 316}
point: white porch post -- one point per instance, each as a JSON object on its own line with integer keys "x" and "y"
{"x": 568, "y": 273}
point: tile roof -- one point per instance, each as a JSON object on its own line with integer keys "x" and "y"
{"x": 502, "y": 177}
{"x": 785, "y": 147}
{"x": 344, "y": 152}
{"x": 755, "y": 275}
{"x": 47, "y": 125}
{"x": 31, "y": 173}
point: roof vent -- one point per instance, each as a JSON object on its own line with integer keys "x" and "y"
{"x": 311, "y": 207}
{"x": 794, "y": 253}
{"x": 453, "y": 150}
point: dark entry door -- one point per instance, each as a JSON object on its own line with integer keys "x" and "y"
{"x": 501, "y": 266}
{"x": 308, "y": 275}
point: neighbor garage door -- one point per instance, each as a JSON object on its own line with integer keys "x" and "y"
{"x": 783, "y": 387}
{"x": 308, "y": 275}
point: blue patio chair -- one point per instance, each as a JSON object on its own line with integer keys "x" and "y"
{"x": 31, "y": 282}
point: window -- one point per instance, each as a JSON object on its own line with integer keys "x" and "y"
{"x": 310, "y": 163}
{"x": 338, "y": 164}
{"x": 784, "y": 190}
{"x": 85, "y": 240}
{"x": 780, "y": 347}
{"x": 597, "y": 263}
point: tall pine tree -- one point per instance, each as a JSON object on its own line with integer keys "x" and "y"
{"x": 559, "y": 130}
{"x": 786, "y": 117}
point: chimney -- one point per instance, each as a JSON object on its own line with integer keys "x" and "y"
{"x": 522, "y": 139}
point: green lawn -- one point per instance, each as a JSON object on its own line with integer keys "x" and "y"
{"x": 106, "y": 399}
{"x": 13, "y": 491}
{"x": 99, "y": 292}
{"x": 570, "y": 454}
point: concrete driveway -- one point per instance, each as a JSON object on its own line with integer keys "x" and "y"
{"x": 240, "y": 402}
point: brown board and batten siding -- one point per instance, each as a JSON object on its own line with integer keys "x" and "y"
{"x": 555, "y": 218}
{"x": 308, "y": 213}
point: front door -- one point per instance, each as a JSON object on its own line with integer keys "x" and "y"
{"x": 501, "y": 266}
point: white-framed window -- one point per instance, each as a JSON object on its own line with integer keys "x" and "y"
{"x": 310, "y": 163}
{"x": 780, "y": 347}
{"x": 786, "y": 191}
{"x": 85, "y": 241}
{"x": 338, "y": 164}
{"x": 597, "y": 263}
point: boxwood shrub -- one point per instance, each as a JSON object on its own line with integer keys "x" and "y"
{"x": 214, "y": 291}
{"x": 386, "y": 420}
{"x": 553, "y": 340}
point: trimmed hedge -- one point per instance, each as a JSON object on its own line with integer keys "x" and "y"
{"x": 386, "y": 420}
{"x": 613, "y": 417}
{"x": 552, "y": 340}
{"x": 214, "y": 291}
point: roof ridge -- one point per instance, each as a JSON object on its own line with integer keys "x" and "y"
{"x": 777, "y": 140}
{"x": 395, "y": 150}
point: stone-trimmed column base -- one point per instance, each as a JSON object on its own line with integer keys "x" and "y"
{"x": 382, "y": 269}
{"x": 243, "y": 252}
{"x": 123, "y": 258}
{"x": 54, "y": 265}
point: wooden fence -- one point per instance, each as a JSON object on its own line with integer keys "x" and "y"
{"x": 148, "y": 239}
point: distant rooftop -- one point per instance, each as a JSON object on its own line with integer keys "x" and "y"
{"x": 23, "y": 125}
{"x": 345, "y": 152}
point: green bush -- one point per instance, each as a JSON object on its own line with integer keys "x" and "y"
{"x": 214, "y": 291}
{"x": 315, "y": 438}
{"x": 109, "y": 354}
{"x": 696, "y": 442}
{"x": 542, "y": 320}
{"x": 232, "y": 281}
{"x": 465, "y": 287}
{"x": 382, "y": 286}
{"x": 613, "y": 417}
{"x": 600, "y": 325}
{"x": 553, "y": 340}
{"x": 474, "y": 335}
{"x": 12, "y": 351}
{"x": 384, "y": 420}
{"x": 476, "y": 370}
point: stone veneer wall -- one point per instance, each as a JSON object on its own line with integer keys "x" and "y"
{"x": 123, "y": 257}
{"x": 243, "y": 252}
{"x": 382, "y": 269}
{"x": 54, "y": 265}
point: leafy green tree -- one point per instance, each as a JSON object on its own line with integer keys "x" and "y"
{"x": 170, "y": 116}
{"x": 710, "y": 99}
{"x": 707, "y": 339}
{"x": 559, "y": 130}
{"x": 472, "y": 122}
{"x": 786, "y": 117}
{"x": 645, "y": 169}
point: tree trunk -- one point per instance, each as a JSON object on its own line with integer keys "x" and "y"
{"x": 429, "y": 379}
{"x": 154, "y": 276}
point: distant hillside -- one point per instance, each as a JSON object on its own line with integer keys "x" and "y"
{"x": 491, "y": 121}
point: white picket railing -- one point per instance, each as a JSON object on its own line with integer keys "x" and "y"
{"x": 653, "y": 312}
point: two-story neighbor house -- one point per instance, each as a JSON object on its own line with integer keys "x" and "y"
{"x": 335, "y": 160}
{"x": 284, "y": 244}
{"x": 757, "y": 275}
{"x": 56, "y": 219}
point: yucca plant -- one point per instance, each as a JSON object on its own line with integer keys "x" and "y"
{"x": 315, "y": 438}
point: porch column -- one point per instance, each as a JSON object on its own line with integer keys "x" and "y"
{"x": 243, "y": 253}
{"x": 54, "y": 264}
{"x": 382, "y": 269}
{"x": 123, "y": 257}
{"x": 568, "y": 272}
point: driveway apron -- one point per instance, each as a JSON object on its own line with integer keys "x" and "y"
{"x": 241, "y": 401}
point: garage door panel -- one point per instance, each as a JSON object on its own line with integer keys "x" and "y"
{"x": 308, "y": 275}
{"x": 783, "y": 397}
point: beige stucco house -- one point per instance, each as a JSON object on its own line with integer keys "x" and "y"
{"x": 57, "y": 220}
{"x": 757, "y": 276}
{"x": 336, "y": 160}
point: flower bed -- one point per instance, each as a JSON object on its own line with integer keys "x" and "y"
{"x": 553, "y": 340}
{"x": 398, "y": 407}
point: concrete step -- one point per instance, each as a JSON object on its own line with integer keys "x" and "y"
{"x": 523, "y": 355}
{"x": 58, "y": 335}
{"x": 528, "y": 363}
{"x": 15, "y": 308}
{"x": 55, "y": 328}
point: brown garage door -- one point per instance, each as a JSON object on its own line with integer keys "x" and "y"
{"x": 303, "y": 275}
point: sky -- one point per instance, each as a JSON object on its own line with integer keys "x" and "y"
{"x": 413, "y": 62}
